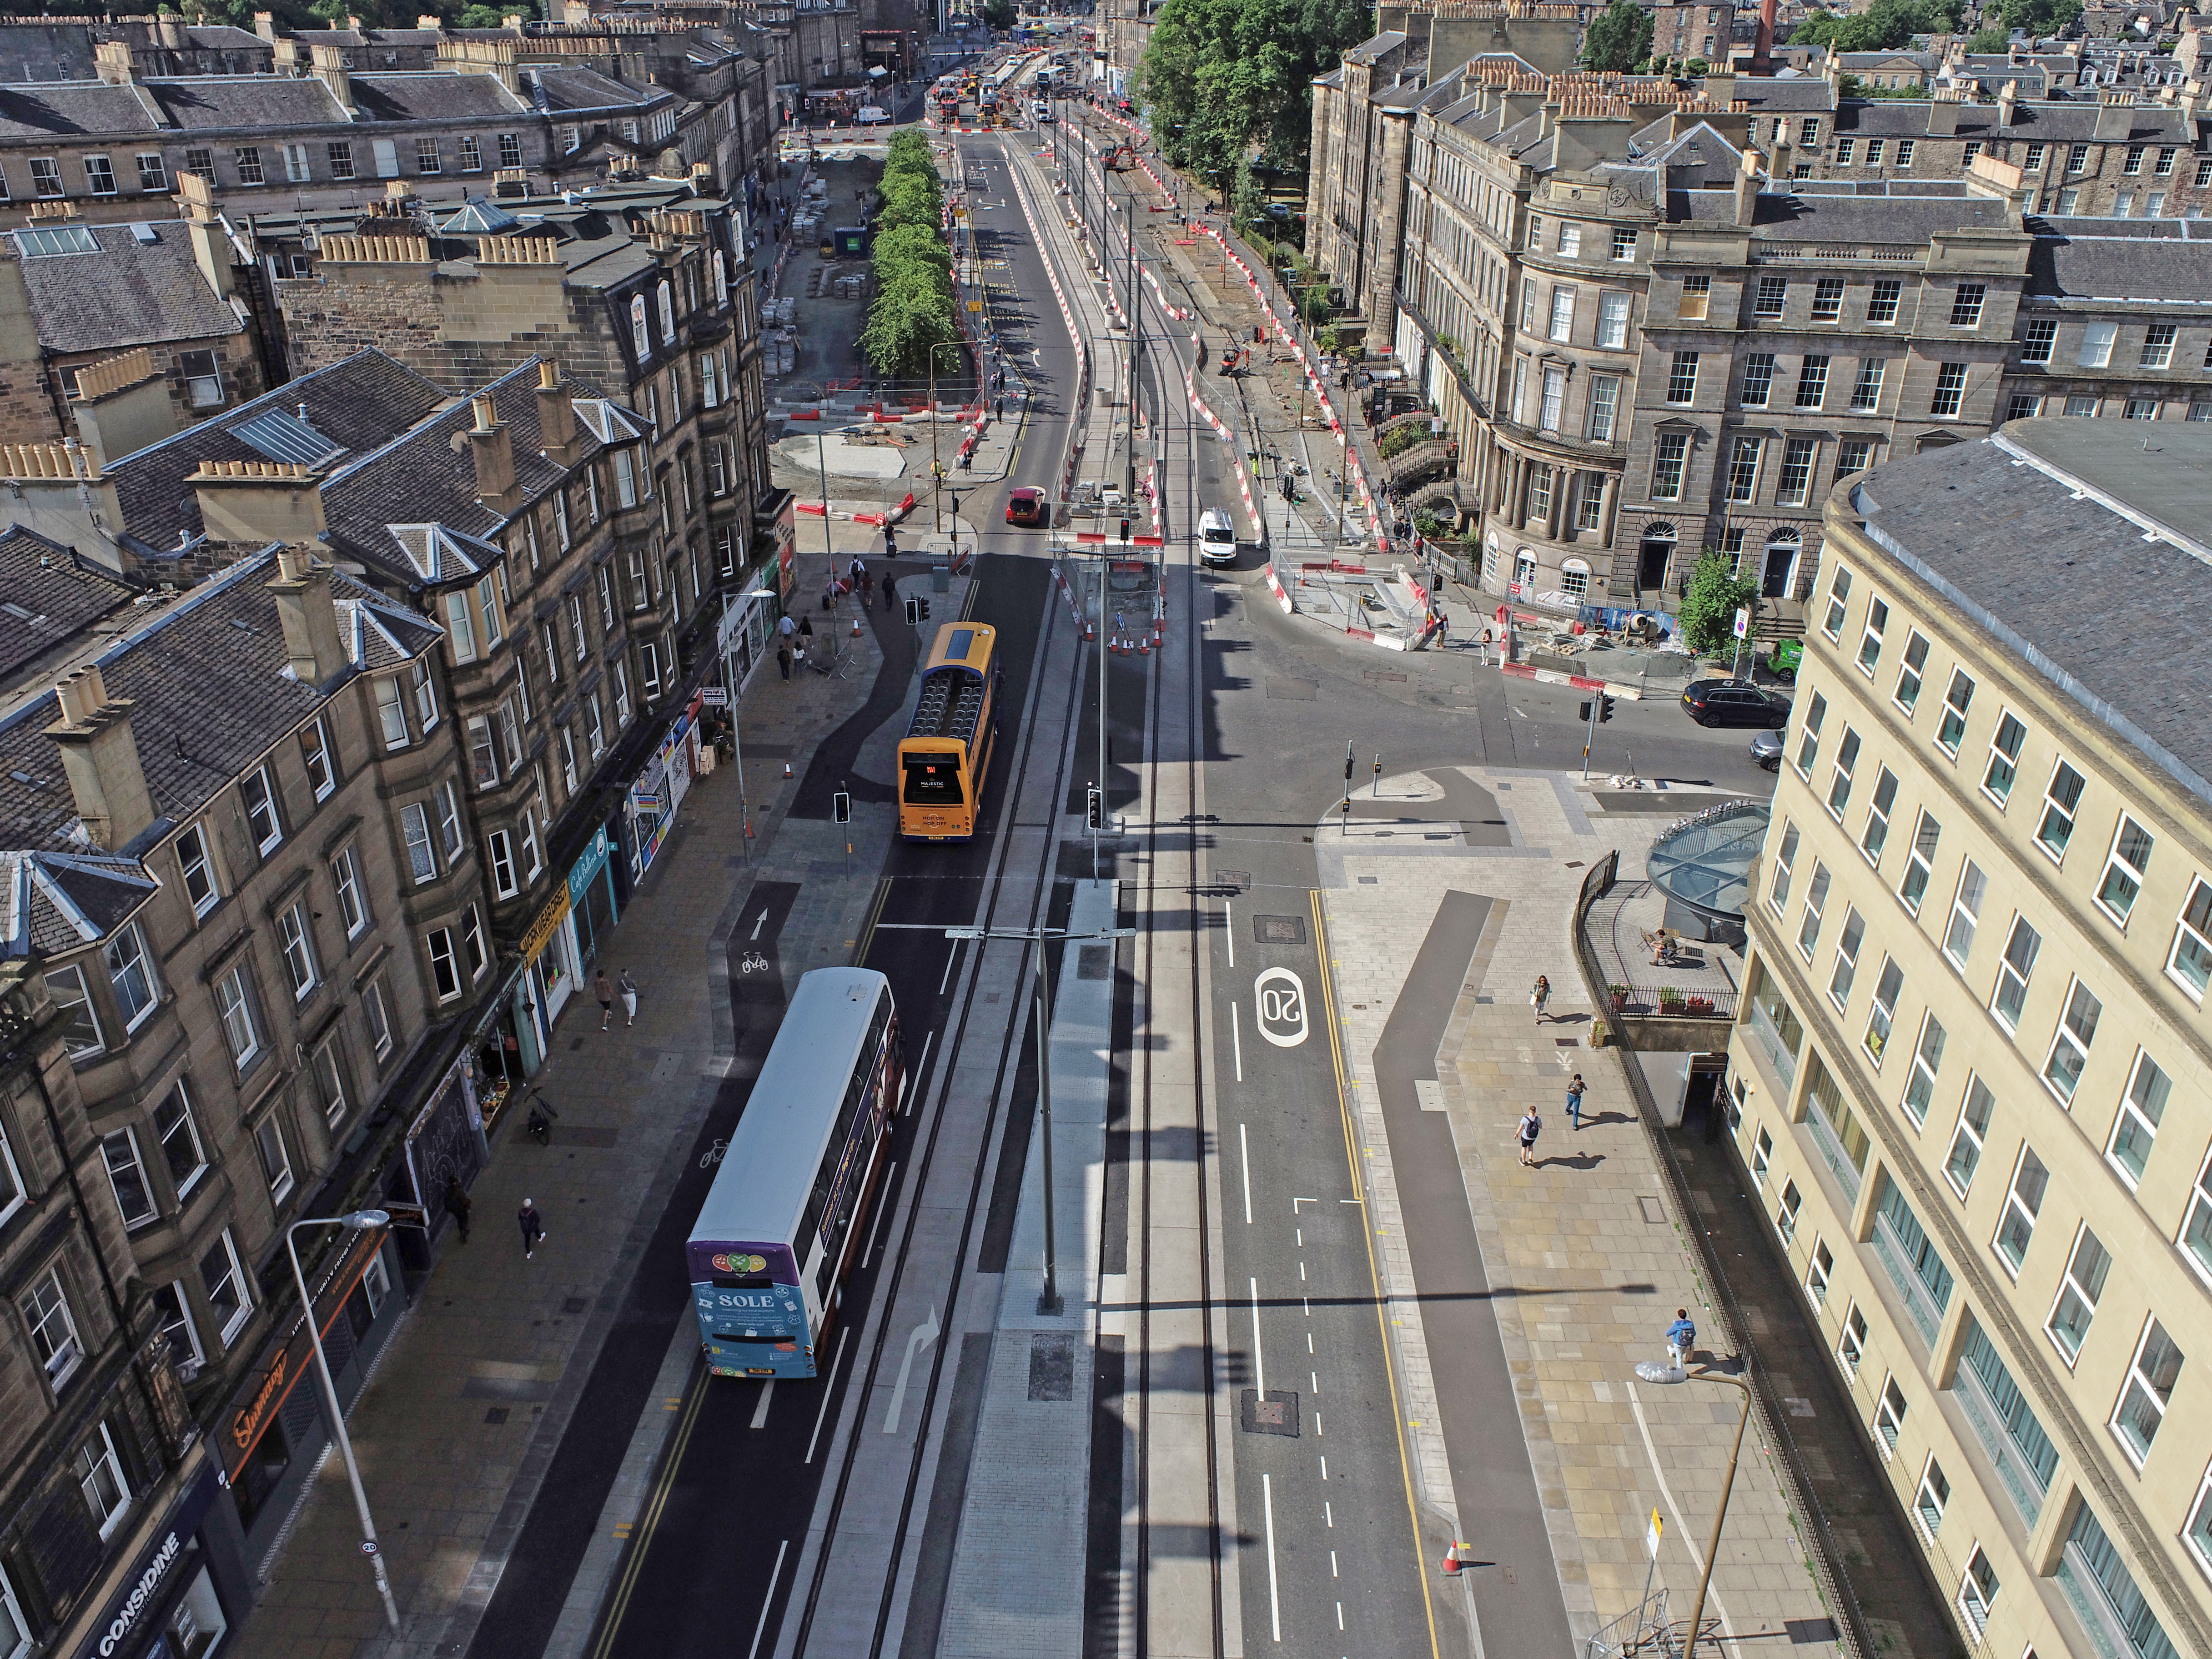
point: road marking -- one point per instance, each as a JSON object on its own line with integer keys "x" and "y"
{"x": 1324, "y": 1468}
{"x": 920, "y": 1337}
{"x": 1330, "y": 1516}
{"x": 1302, "y": 1272}
{"x": 1313, "y": 1383}
{"x": 767, "y": 1601}
{"x": 828, "y": 1387}
{"x": 883, "y": 1214}
{"x": 760, "y": 1412}
{"x": 1689, "y": 1543}
{"x": 759, "y": 923}
{"x": 1339, "y": 1615}
{"x": 1333, "y": 1572}
{"x": 1229, "y": 928}
{"x": 1245, "y": 1146}
{"x": 914, "y": 1082}
{"x": 1280, "y": 1003}
{"x": 1274, "y": 1599}
{"x": 1237, "y": 1040}
{"x": 1317, "y": 1425}
{"x": 1259, "y": 1365}
{"x": 950, "y": 957}
{"x": 641, "y": 1537}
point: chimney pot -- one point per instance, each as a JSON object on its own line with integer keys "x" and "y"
{"x": 100, "y": 757}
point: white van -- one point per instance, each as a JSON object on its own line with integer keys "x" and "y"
{"x": 1217, "y": 537}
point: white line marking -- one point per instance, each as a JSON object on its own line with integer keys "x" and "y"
{"x": 828, "y": 1387}
{"x": 1259, "y": 1365}
{"x": 1313, "y": 1379}
{"x": 1237, "y": 1036}
{"x": 1316, "y": 1425}
{"x": 1275, "y": 1601}
{"x": 883, "y": 1214}
{"x": 769, "y": 1600}
{"x": 920, "y": 1072}
{"x": 1328, "y": 1514}
{"x": 919, "y": 1337}
{"x": 759, "y": 922}
{"x": 1324, "y": 1473}
{"x": 760, "y": 1412}
{"x": 1302, "y": 1272}
{"x": 1689, "y": 1543}
{"x": 1333, "y": 1572}
{"x": 1229, "y": 927}
{"x": 1339, "y": 1615}
{"x": 1245, "y": 1146}
{"x": 950, "y": 957}
{"x": 1310, "y": 1347}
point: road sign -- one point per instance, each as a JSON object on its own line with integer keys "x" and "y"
{"x": 1280, "y": 998}
{"x": 1742, "y": 621}
{"x": 1652, "y": 1535}
{"x": 975, "y": 305}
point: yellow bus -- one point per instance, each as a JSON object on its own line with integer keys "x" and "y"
{"x": 946, "y": 752}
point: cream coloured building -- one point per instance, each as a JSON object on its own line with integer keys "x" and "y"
{"x": 1972, "y": 1085}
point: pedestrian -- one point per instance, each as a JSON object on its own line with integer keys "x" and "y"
{"x": 1539, "y": 996}
{"x": 858, "y": 571}
{"x": 1002, "y": 402}
{"x": 783, "y": 659}
{"x": 604, "y": 989}
{"x": 1681, "y": 1338}
{"x": 1575, "y": 1101}
{"x": 457, "y": 1205}
{"x": 891, "y": 591}
{"x": 785, "y": 626}
{"x": 1531, "y": 1125}
{"x": 629, "y": 988}
{"x": 533, "y": 1227}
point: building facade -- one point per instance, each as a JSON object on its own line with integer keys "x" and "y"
{"x": 1969, "y": 1086}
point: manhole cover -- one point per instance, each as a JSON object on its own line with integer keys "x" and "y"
{"x": 1279, "y": 930}
{"x": 1237, "y": 881}
{"x": 1277, "y": 1412}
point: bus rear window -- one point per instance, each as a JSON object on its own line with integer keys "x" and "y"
{"x": 933, "y": 780}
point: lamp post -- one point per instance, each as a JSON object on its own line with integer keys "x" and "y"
{"x": 1049, "y": 1300}
{"x": 356, "y": 1221}
{"x": 1652, "y": 1371}
{"x": 936, "y": 467}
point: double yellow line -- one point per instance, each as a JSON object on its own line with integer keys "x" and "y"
{"x": 641, "y": 1533}
{"x": 1325, "y": 964}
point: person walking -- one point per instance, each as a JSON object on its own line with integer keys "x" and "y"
{"x": 604, "y": 989}
{"x": 891, "y": 589}
{"x": 1681, "y": 1338}
{"x": 628, "y": 989}
{"x": 1539, "y": 997}
{"x": 1575, "y": 1101}
{"x": 785, "y": 626}
{"x": 457, "y": 1205}
{"x": 783, "y": 658}
{"x": 1530, "y": 1127}
{"x": 533, "y": 1227}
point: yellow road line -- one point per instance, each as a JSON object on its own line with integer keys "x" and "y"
{"x": 641, "y": 1537}
{"x": 1374, "y": 1275}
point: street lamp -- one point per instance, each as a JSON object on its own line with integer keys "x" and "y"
{"x": 357, "y": 1221}
{"x": 936, "y": 466}
{"x": 1049, "y": 1300}
{"x": 1652, "y": 1370}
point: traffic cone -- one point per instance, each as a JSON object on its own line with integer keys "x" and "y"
{"x": 1143, "y": 646}
{"x": 1452, "y": 1564}
{"x": 787, "y": 768}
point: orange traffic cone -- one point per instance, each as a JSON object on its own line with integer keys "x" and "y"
{"x": 1452, "y": 1564}
{"x": 787, "y": 768}
{"x": 1143, "y": 646}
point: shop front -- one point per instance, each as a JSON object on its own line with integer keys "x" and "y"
{"x": 743, "y": 637}
{"x": 649, "y": 809}
{"x": 593, "y": 905}
{"x": 186, "y": 1591}
{"x": 445, "y": 1144}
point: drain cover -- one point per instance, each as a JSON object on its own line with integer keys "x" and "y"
{"x": 1275, "y": 1414}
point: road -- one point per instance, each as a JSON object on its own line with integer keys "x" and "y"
{"x": 778, "y": 1526}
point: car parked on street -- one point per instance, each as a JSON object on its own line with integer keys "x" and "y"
{"x": 1028, "y": 506}
{"x": 1766, "y": 749}
{"x": 1733, "y": 703}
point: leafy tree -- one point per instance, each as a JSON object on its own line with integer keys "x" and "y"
{"x": 1226, "y": 80}
{"x": 1249, "y": 205}
{"x": 2040, "y": 18}
{"x": 1619, "y": 38}
{"x": 1001, "y": 14}
{"x": 1992, "y": 40}
{"x": 1709, "y": 601}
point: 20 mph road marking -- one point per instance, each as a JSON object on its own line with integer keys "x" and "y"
{"x": 1280, "y": 997}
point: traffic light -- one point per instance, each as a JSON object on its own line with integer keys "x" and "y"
{"x": 915, "y": 608}
{"x": 1095, "y": 807}
{"x": 924, "y": 609}
{"x": 1124, "y": 530}
{"x": 840, "y": 807}
{"x": 1582, "y": 711}
{"x": 1604, "y": 708}
{"x": 1347, "y": 766}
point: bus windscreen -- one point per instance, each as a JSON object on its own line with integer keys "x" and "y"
{"x": 933, "y": 780}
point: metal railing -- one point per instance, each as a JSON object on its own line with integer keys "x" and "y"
{"x": 1643, "y": 1632}
{"x": 1715, "y": 1002}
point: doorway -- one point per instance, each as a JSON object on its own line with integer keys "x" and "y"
{"x": 1653, "y": 556}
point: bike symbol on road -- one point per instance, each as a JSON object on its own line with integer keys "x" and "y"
{"x": 1280, "y": 996}
{"x": 755, "y": 963}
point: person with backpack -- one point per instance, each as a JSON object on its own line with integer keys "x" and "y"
{"x": 1681, "y": 1338}
{"x": 1530, "y": 1127}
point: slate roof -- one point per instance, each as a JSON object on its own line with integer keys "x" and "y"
{"x": 2165, "y": 272}
{"x": 2106, "y": 607}
{"x": 70, "y": 108}
{"x": 431, "y": 95}
{"x": 567, "y": 89}
{"x": 57, "y": 591}
{"x": 131, "y": 293}
{"x": 1911, "y": 219}
{"x": 2046, "y": 122}
{"x": 54, "y": 902}
{"x": 361, "y": 402}
{"x": 211, "y": 679}
{"x": 197, "y": 102}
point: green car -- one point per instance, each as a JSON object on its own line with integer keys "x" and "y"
{"x": 1787, "y": 655}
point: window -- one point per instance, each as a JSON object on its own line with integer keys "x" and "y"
{"x": 1875, "y": 835}
{"x": 180, "y": 1140}
{"x": 1853, "y": 455}
{"x": 449, "y": 821}
{"x": 224, "y": 1281}
{"x": 99, "y": 1478}
{"x": 1967, "y": 305}
{"x": 1743, "y": 469}
{"x": 510, "y": 149}
{"x": 622, "y": 691}
{"x": 130, "y": 971}
{"x": 1604, "y": 404}
{"x": 1555, "y": 399}
{"x": 1757, "y": 379}
{"x": 1978, "y": 1589}
{"x": 1527, "y": 306}
{"x": 1812, "y": 382}
{"x": 315, "y": 750}
{"x": 2033, "y": 161}
{"x": 1792, "y": 483}
{"x": 1786, "y": 1215}
{"x": 2022, "y": 406}
{"x": 1762, "y": 1153}
{"x": 1777, "y": 888}
{"x": 298, "y": 945}
{"x": 2068, "y": 200}
{"x": 426, "y": 156}
{"x": 2078, "y": 1292}
{"x": 576, "y": 626}
{"x": 484, "y": 752}
{"x": 567, "y": 758}
{"x": 2070, "y": 1047}
{"x": 276, "y": 1162}
{"x": 99, "y": 175}
{"x": 379, "y": 1018}
{"x": 1839, "y": 593}
{"x": 1840, "y": 780}
{"x": 1624, "y": 242}
{"x": 2036, "y": 346}
{"x": 127, "y": 1178}
{"x": 1889, "y": 1416}
{"x": 1808, "y": 743}
{"x": 1666, "y": 462}
{"x": 1927, "y": 1063}
{"x": 53, "y": 1326}
{"x": 1873, "y": 151}
{"x": 345, "y": 876}
{"x": 1866, "y": 390}
{"x": 259, "y": 794}
{"x": 445, "y": 972}
{"x": 1970, "y": 1137}
{"x": 2023, "y": 1201}
{"x": 1850, "y": 1342}
{"x": 1682, "y": 378}
{"x": 2148, "y": 1390}
{"x": 1697, "y": 297}
{"x": 1589, "y": 514}
{"x": 184, "y": 1353}
{"x": 2141, "y": 1108}
{"x": 248, "y": 158}
{"x": 234, "y": 1003}
{"x": 1919, "y": 863}
{"x": 46, "y": 175}
{"x": 415, "y": 830}
{"x": 153, "y": 174}
{"x": 1770, "y": 296}
{"x": 500, "y": 849}
{"x": 203, "y": 380}
{"x": 1966, "y": 915}
{"x": 1881, "y": 304}
{"x": 560, "y": 518}
{"x": 1613, "y": 319}
{"x": 392, "y": 714}
{"x": 2134, "y": 160}
{"x": 472, "y": 942}
{"x": 2061, "y": 800}
{"x": 1816, "y": 899}
{"x": 2004, "y": 758}
{"x": 471, "y": 155}
{"x": 2139, "y": 409}
{"x": 1956, "y": 700}
{"x": 1571, "y": 241}
{"x": 2126, "y": 867}
{"x": 1950, "y": 392}
{"x": 1928, "y": 1504}
{"x": 329, "y": 1081}
{"x": 1847, "y": 958}
{"x": 1562, "y": 313}
{"x": 2157, "y": 347}
{"x": 2097, "y": 344}
{"x": 1818, "y": 1272}
{"x": 340, "y": 155}
{"x": 593, "y": 715}
{"x": 2014, "y": 972}
{"x": 2077, "y": 158}
{"x": 1887, "y": 987}
{"x": 1845, "y": 149}
{"x": 81, "y": 1032}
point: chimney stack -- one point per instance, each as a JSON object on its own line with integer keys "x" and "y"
{"x": 253, "y": 503}
{"x": 211, "y": 249}
{"x": 494, "y": 456}
{"x": 310, "y": 617}
{"x": 1944, "y": 112}
{"x": 556, "y": 416}
{"x": 2007, "y": 99}
{"x": 264, "y": 25}
{"x": 1747, "y": 188}
{"x": 329, "y": 68}
{"x": 100, "y": 757}
{"x": 110, "y": 62}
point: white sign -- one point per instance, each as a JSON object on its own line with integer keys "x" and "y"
{"x": 1652, "y": 1536}
{"x": 1742, "y": 621}
{"x": 714, "y": 696}
{"x": 1280, "y": 997}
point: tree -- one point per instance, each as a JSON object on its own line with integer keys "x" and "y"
{"x": 1710, "y": 600}
{"x": 1229, "y": 79}
{"x": 1989, "y": 41}
{"x": 1001, "y": 14}
{"x": 1619, "y": 38}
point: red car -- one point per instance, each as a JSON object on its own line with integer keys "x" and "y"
{"x": 1027, "y": 507}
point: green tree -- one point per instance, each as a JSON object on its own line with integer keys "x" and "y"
{"x": 1225, "y": 80}
{"x": 1709, "y": 601}
{"x": 1990, "y": 40}
{"x": 1001, "y": 14}
{"x": 1619, "y": 38}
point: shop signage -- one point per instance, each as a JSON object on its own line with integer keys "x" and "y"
{"x": 586, "y": 868}
{"x": 289, "y": 1355}
{"x": 152, "y": 1573}
{"x": 542, "y": 930}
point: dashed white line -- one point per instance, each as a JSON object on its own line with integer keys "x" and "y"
{"x": 760, "y": 1412}
{"x": 1328, "y": 1514}
{"x": 1237, "y": 1036}
{"x": 1333, "y": 1572}
{"x": 883, "y": 1214}
{"x": 1244, "y": 1145}
{"x": 1229, "y": 928}
{"x": 1259, "y": 1365}
{"x": 828, "y": 1388}
{"x": 767, "y": 1601}
{"x": 1324, "y": 1471}
{"x": 1275, "y": 1601}
{"x": 914, "y": 1083}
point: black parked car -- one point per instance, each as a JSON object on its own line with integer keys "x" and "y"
{"x": 1734, "y": 702}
